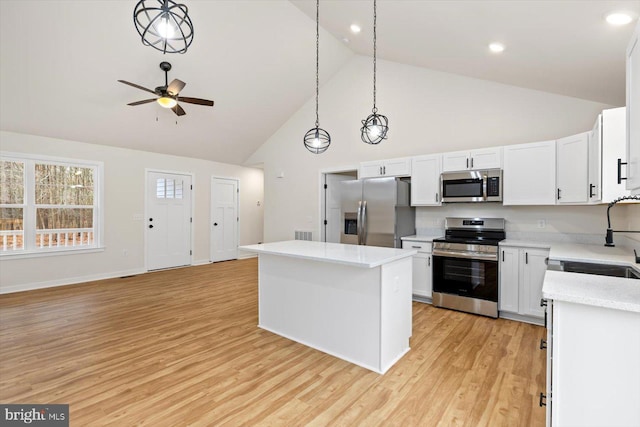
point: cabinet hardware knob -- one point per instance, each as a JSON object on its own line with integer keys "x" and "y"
{"x": 526, "y": 257}
{"x": 150, "y": 225}
{"x": 558, "y": 194}
{"x": 467, "y": 163}
{"x": 591, "y": 187}
{"x": 429, "y": 261}
{"x": 543, "y": 344}
{"x": 215, "y": 224}
{"x": 472, "y": 162}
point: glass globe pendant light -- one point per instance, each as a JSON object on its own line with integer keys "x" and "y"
{"x": 317, "y": 140}
{"x": 375, "y": 127}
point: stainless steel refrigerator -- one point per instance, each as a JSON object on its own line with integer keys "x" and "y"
{"x": 376, "y": 212}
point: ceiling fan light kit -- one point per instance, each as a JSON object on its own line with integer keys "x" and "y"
{"x": 375, "y": 127}
{"x": 164, "y": 25}
{"x": 317, "y": 140}
{"x": 168, "y": 95}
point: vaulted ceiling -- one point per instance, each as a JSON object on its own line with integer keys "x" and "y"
{"x": 60, "y": 61}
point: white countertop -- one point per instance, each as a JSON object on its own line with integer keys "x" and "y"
{"x": 420, "y": 238}
{"x": 525, "y": 244}
{"x": 600, "y": 291}
{"x": 338, "y": 253}
{"x": 589, "y": 289}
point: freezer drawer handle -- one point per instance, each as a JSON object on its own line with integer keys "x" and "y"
{"x": 543, "y": 344}
{"x": 542, "y": 397}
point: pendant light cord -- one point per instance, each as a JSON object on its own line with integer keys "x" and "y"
{"x": 375, "y": 17}
{"x": 317, "y": 58}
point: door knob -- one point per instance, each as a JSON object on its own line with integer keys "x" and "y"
{"x": 215, "y": 223}
{"x": 150, "y": 225}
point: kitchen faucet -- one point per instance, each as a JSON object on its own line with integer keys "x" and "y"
{"x": 609, "y": 237}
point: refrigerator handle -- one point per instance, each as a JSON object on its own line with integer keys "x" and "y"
{"x": 359, "y": 222}
{"x": 364, "y": 223}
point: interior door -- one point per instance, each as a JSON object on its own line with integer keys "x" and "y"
{"x": 224, "y": 219}
{"x": 168, "y": 225}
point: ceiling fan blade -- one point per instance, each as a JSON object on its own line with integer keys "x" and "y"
{"x": 175, "y": 86}
{"x": 195, "y": 101}
{"x": 178, "y": 110}
{"x": 137, "y": 86}
{"x": 146, "y": 101}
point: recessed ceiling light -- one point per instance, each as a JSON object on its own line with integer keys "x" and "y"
{"x": 619, "y": 18}
{"x": 355, "y": 29}
{"x": 496, "y": 47}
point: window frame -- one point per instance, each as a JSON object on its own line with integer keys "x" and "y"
{"x": 29, "y": 205}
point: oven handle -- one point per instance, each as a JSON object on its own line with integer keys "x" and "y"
{"x": 466, "y": 255}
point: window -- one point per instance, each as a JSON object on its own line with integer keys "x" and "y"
{"x": 48, "y": 205}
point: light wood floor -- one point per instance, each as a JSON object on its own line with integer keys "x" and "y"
{"x": 181, "y": 347}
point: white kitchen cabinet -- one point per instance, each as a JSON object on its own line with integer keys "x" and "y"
{"x": 607, "y": 156}
{"x": 633, "y": 112}
{"x": 390, "y": 167}
{"x": 530, "y": 174}
{"x": 592, "y": 366}
{"x": 572, "y": 169}
{"x": 509, "y": 279}
{"x": 422, "y": 268}
{"x": 487, "y": 158}
{"x": 425, "y": 180}
{"x": 522, "y": 271}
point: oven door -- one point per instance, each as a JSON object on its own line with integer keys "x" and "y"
{"x": 468, "y": 277}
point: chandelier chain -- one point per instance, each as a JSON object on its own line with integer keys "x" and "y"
{"x": 375, "y": 17}
{"x": 317, "y": 58}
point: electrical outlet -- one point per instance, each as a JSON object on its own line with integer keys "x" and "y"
{"x": 542, "y": 223}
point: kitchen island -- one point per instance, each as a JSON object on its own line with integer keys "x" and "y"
{"x": 350, "y": 301}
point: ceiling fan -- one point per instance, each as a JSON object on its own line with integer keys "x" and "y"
{"x": 167, "y": 95}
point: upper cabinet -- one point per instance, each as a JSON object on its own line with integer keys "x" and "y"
{"x": 572, "y": 172}
{"x": 633, "y": 112}
{"x": 425, "y": 180}
{"x": 488, "y": 158}
{"x": 530, "y": 174}
{"x": 391, "y": 167}
{"x": 607, "y": 157}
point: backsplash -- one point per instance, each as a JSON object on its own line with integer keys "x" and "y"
{"x": 559, "y": 224}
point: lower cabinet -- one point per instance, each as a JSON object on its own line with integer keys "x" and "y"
{"x": 422, "y": 268}
{"x": 593, "y": 373}
{"x": 522, "y": 271}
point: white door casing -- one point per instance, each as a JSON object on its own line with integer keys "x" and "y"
{"x": 224, "y": 219}
{"x": 168, "y": 221}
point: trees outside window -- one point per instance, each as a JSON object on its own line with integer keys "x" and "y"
{"x": 48, "y": 204}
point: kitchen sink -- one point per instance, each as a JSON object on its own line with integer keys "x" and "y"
{"x": 594, "y": 268}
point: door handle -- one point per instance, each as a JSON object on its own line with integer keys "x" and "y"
{"x": 150, "y": 225}
{"x": 359, "y": 222}
{"x": 364, "y": 222}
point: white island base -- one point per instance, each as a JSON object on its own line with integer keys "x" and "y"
{"x": 353, "y": 302}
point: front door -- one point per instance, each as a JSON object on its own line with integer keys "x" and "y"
{"x": 224, "y": 219}
{"x": 168, "y": 222}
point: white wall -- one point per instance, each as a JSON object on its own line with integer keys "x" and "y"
{"x": 124, "y": 182}
{"x": 428, "y": 111}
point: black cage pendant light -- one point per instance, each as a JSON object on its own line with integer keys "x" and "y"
{"x": 317, "y": 140}
{"x": 164, "y": 25}
{"x": 375, "y": 127}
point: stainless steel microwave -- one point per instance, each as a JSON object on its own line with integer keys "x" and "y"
{"x": 471, "y": 186}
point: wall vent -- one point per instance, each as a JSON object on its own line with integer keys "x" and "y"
{"x": 303, "y": 235}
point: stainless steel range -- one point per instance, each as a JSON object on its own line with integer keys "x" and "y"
{"x": 465, "y": 265}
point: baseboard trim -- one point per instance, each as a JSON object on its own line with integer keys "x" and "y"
{"x": 521, "y": 318}
{"x": 68, "y": 281}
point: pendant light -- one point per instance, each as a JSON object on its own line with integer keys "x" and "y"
{"x": 317, "y": 140}
{"x": 375, "y": 127}
{"x": 164, "y": 25}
